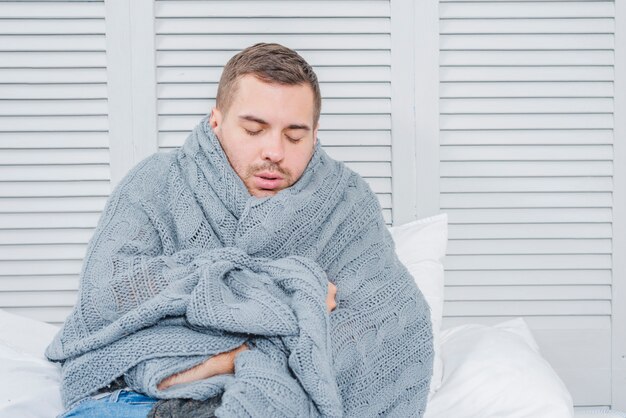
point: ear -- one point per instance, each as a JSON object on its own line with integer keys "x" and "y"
{"x": 215, "y": 120}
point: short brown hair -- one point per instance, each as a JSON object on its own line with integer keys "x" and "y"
{"x": 271, "y": 63}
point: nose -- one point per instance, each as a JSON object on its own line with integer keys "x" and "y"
{"x": 273, "y": 149}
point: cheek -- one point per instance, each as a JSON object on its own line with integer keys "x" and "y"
{"x": 240, "y": 163}
{"x": 300, "y": 162}
{"x": 238, "y": 152}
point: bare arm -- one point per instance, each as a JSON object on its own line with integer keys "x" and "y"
{"x": 222, "y": 363}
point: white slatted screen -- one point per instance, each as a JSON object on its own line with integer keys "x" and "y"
{"x": 526, "y": 119}
{"x": 54, "y": 162}
{"x": 525, "y": 143}
{"x": 347, "y": 42}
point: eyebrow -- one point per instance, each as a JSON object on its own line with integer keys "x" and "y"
{"x": 262, "y": 122}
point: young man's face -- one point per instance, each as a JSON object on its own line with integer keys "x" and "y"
{"x": 267, "y": 134}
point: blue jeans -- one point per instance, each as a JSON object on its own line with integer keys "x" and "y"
{"x": 121, "y": 403}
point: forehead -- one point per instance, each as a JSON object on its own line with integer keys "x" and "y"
{"x": 273, "y": 102}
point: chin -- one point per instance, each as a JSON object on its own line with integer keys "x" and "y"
{"x": 264, "y": 193}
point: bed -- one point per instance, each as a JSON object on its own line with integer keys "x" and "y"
{"x": 479, "y": 371}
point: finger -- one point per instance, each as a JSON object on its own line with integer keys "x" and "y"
{"x": 332, "y": 305}
{"x": 332, "y": 288}
{"x": 330, "y": 302}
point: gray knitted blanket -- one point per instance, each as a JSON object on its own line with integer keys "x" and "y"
{"x": 185, "y": 264}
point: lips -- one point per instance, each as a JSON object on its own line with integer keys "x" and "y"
{"x": 268, "y": 180}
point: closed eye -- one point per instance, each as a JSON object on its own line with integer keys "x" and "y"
{"x": 293, "y": 139}
{"x": 252, "y": 133}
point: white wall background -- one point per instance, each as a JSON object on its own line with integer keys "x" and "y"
{"x": 508, "y": 115}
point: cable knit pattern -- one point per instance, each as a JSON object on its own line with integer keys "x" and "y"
{"x": 185, "y": 264}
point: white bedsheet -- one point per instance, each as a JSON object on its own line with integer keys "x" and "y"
{"x": 489, "y": 372}
{"x": 29, "y": 384}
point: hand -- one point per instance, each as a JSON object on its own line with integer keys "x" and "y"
{"x": 330, "y": 298}
{"x": 222, "y": 363}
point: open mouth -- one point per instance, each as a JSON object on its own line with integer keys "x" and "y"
{"x": 268, "y": 181}
{"x": 269, "y": 177}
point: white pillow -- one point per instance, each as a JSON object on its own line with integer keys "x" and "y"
{"x": 24, "y": 334}
{"x": 421, "y": 247}
{"x": 29, "y": 384}
{"x": 495, "y": 372}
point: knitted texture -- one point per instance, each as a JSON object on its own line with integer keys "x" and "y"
{"x": 185, "y": 264}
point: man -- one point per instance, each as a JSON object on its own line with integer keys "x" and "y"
{"x": 210, "y": 277}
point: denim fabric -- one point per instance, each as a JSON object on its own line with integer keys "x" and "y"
{"x": 121, "y": 403}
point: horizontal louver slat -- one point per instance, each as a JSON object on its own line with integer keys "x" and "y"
{"x": 529, "y": 246}
{"x": 43, "y": 252}
{"x": 54, "y": 189}
{"x": 527, "y": 105}
{"x": 527, "y": 261}
{"x": 527, "y": 121}
{"x": 57, "y": 10}
{"x": 53, "y": 107}
{"x": 50, "y": 26}
{"x": 53, "y": 75}
{"x": 526, "y": 57}
{"x": 52, "y": 43}
{"x": 238, "y": 42}
{"x": 529, "y": 215}
{"x": 52, "y": 204}
{"x": 526, "y": 168}
{"x": 28, "y": 220}
{"x": 527, "y": 73}
{"x": 523, "y": 26}
{"x": 45, "y": 236}
{"x": 530, "y": 230}
{"x": 39, "y": 267}
{"x": 556, "y": 324}
{"x": 272, "y": 8}
{"x": 59, "y": 298}
{"x": 527, "y": 292}
{"x": 527, "y": 41}
{"x": 526, "y": 184}
{"x": 53, "y": 91}
{"x": 248, "y": 25}
{"x": 527, "y": 277}
{"x": 521, "y": 200}
{"x": 54, "y": 173}
{"x": 459, "y": 89}
{"x": 535, "y": 10}
{"x": 521, "y": 153}
{"x": 527, "y": 308}
{"x": 83, "y": 123}
{"x": 42, "y": 283}
{"x": 54, "y": 156}
{"x": 527, "y": 137}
